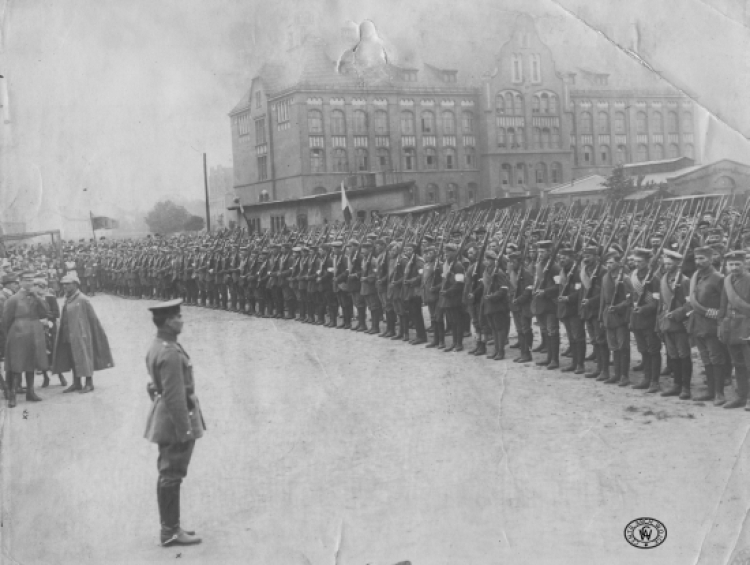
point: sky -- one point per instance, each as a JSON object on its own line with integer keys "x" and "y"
{"x": 122, "y": 97}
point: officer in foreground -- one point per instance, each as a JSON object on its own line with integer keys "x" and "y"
{"x": 175, "y": 420}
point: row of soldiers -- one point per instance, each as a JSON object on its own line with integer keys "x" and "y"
{"x": 669, "y": 283}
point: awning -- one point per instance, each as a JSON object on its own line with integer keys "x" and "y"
{"x": 640, "y": 195}
{"x": 416, "y": 210}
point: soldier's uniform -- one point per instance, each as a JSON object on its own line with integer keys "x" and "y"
{"x": 451, "y": 292}
{"x": 734, "y": 326}
{"x": 544, "y": 304}
{"x": 521, "y": 281}
{"x": 643, "y": 320}
{"x": 614, "y": 313}
{"x": 568, "y": 313}
{"x": 495, "y": 307}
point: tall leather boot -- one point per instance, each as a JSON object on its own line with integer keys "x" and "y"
{"x": 435, "y": 336}
{"x": 390, "y": 324}
{"x": 458, "y": 338}
{"x": 553, "y": 344}
{"x": 598, "y": 369}
{"x": 625, "y": 367}
{"x": 375, "y": 324}
{"x": 542, "y": 347}
{"x": 617, "y": 366}
{"x": 529, "y": 340}
{"x": 168, "y": 498}
{"x": 30, "y": 394}
{"x": 720, "y": 373}
{"x": 75, "y": 386}
{"x": 525, "y": 343}
{"x": 501, "y": 338}
{"x": 655, "y": 373}
{"x": 406, "y": 328}
{"x": 742, "y": 388}
{"x": 710, "y": 394}
{"x": 675, "y": 369}
{"x": 574, "y": 355}
{"x": 361, "y": 319}
{"x": 401, "y": 328}
{"x": 686, "y": 364}
{"x": 646, "y": 382}
{"x": 474, "y": 349}
{"x": 581, "y": 366}
{"x": 11, "y": 390}
{"x": 604, "y": 348}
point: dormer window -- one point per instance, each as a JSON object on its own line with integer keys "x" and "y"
{"x": 409, "y": 76}
{"x": 449, "y": 76}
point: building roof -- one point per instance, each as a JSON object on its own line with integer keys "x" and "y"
{"x": 633, "y": 166}
{"x": 662, "y": 178}
{"x": 416, "y": 209}
{"x": 592, "y": 183}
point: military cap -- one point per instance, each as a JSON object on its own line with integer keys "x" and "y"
{"x": 591, "y": 250}
{"x": 380, "y": 241}
{"x": 305, "y": 249}
{"x": 70, "y": 278}
{"x": 703, "y": 224}
{"x": 457, "y": 233}
{"x": 429, "y": 248}
{"x": 264, "y": 251}
{"x": 703, "y": 250}
{"x": 642, "y": 252}
{"x": 27, "y": 276}
{"x": 489, "y": 254}
{"x": 451, "y": 247}
{"x": 367, "y": 244}
{"x": 411, "y": 244}
{"x": 735, "y": 255}
{"x": 428, "y": 238}
{"x": 296, "y": 249}
{"x": 274, "y": 246}
{"x": 511, "y": 245}
{"x": 544, "y": 244}
{"x": 515, "y": 255}
{"x": 353, "y": 242}
{"x": 168, "y": 308}
{"x": 567, "y": 251}
{"x": 372, "y": 236}
{"x": 324, "y": 246}
{"x": 612, "y": 254}
{"x": 337, "y": 244}
{"x": 668, "y": 253}
{"x": 10, "y": 278}
{"x": 480, "y": 229}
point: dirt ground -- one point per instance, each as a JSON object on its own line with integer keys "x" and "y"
{"x": 328, "y": 446}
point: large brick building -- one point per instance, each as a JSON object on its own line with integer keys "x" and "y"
{"x": 310, "y": 121}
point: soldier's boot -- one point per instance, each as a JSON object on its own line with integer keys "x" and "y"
{"x": 710, "y": 393}
{"x": 401, "y": 328}
{"x": 477, "y": 341}
{"x": 686, "y": 364}
{"x": 542, "y": 347}
{"x": 440, "y": 330}
{"x": 500, "y": 341}
{"x": 646, "y": 382}
{"x": 375, "y": 324}
{"x": 30, "y": 394}
{"x": 675, "y": 370}
{"x": 458, "y": 339}
{"x": 742, "y": 389}
{"x": 720, "y": 372}
{"x": 617, "y": 366}
{"x": 168, "y": 498}
{"x": 604, "y": 351}
{"x": 581, "y": 367}
{"x": 625, "y": 367}
{"x": 63, "y": 382}
{"x": 574, "y": 363}
{"x": 525, "y": 356}
{"x": 435, "y": 336}
{"x": 45, "y": 381}
{"x": 75, "y": 386}
{"x": 655, "y": 373}
{"x": 598, "y": 369}
{"x": 390, "y": 324}
{"x": 89, "y": 385}
{"x": 361, "y": 317}
{"x": 553, "y": 344}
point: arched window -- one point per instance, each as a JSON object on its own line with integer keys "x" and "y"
{"x": 657, "y": 122}
{"x": 619, "y": 122}
{"x": 511, "y": 137}
{"x": 467, "y": 120}
{"x": 672, "y": 122}
{"x": 556, "y": 173}
{"x": 509, "y": 106}
{"x": 585, "y": 122}
{"x": 381, "y": 122}
{"x": 603, "y": 122}
{"x": 428, "y": 122}
{"x": 500, "y": 103}
{"x": 264, "y": 196}
{"x": 689, "y": 150}
{"x": 407, "y": 122}
{"x": 517, "y": 68}
{"x": 545, "y": 103}
{"x": 338, "y": 123}
{"x": 506, "y": 174}
{"x": 541, "y": 173}
{"x": 537, "y": 137}
{"x": 674, "y": 151}
{"x": 501, "y": 141}
{"x": 363, "y": 160}
{"x": 622, "y": 155}
{"x": 317, "y": 160}
{"x": 470, "y": 160}
{"x": 604, "y": 153}
{"x": 319, "y": 190}
{"x": 408, "y": 156}
{"x": 687, "y": 122}
{"x": 432, "y": 193}
{"x": 449, "y": 123}
{"x": 520, "y": 174}
{"x": 340, "y": 164}
{"x": 556, "y": 138}
{"x": 545, "y": 138}
{"x": 536, "y": 68}
{"x": 588, "y": 154}
{"x": 553, "y": 104}
{"x": 360, "y": 122}
{"x": 658, "y": 152}
{"x": 430, "y": 158}
{"x": 536, "y": 105}
{"x": 315, "y": 121}
{"x": 641, "y": 153}
{"x": 518, "y": 104}
{"x": 451, "y": 193}
{"x": 450, "y": 158}
{"x": 641, "y": 122}
{"x": 384, "y": 159}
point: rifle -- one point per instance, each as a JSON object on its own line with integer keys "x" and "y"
{"x": 686, "y": 243}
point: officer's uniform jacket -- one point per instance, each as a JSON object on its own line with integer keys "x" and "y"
{"x": 175, "y": 414}
{"x": 704, "y": 303}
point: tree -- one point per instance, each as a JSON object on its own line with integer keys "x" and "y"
{"x": 617, "y": 185}
{"x": 194, "y": 223}
{"x": 167, "y": 217}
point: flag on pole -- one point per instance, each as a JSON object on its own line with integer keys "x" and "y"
{"x": 346, "y": 208}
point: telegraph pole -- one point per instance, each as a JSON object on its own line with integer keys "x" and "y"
{"x": 205, "y": 186}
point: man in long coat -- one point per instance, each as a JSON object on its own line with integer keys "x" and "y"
{"x": 81, "y": 344}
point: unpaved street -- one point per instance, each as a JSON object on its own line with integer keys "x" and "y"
{"x": 327, "y": 446}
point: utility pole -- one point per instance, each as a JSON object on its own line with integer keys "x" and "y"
{"x": 205, "y": 186}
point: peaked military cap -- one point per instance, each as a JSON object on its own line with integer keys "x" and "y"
{"x": 168, "y": 308}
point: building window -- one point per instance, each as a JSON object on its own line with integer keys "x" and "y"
{"x": 450, "y": 158}
{"x": 428, "y": 122}
{"x": 622, "y": 155}
{"x": 381, "y": 122}
{"x": 452, "y": 192}
{"x": 264, "y": 196}
{"x": 340, "y": 164}
{"x": 262, "y": 168}
{"x": 520, "y": 139}
{"x": 317, "y": 161}
{"x": 520, "y": 174}
{"x": 642, "y": 153}
{"x": 408, "y": 159}
{"x": 360, "y": 122}
{"x": 556, "y": 138}
{"x": 517, "y": 67}
{"x": 541, "y": 173}
{"x": 432, "y": 195}
{"x": 575, "y": 154}
{"x": 467, "y": 121}
{"x": 545, "y": 138}
{"x": 537, "y": 138}
{"x": 500, "y": 103}
{"x": 363, "y": 162}
{"x": 585, "y": 122}
{"x": 449, "y": 123}
{"x": 469, "y": 157}
{"x": 657, "y": 122}
{"x": 672, "y": 122}
{"x": 430, "y": 159}
{"x": 604, "y": 153}
{"x": 603, "y": 122}
{"x": 506, "y": 174}
{"x": 687, "y": 122}
{"x": 689, "y": 150}
{"x": 449, "y": 76}
{"x": 243, "y": 124}
{"x": 588, "y": 153}
{"x": 620, "y": 122}
{"x": 319, "y": 190}
{"x": 544, "y": 101}
{"x": 338, "y": 123}
{"x": 658, "y": 152}
{"x": 553, "y": 104}
{"x": 257, "y": 99}
{"x": 260, "y": 131}
{"x": 407, "y": 122}
{"x": 536, "y": 68}
{"x": 674, "y": 151}
{"x": 517, "y": 104}
{"x": 277, "y": 224}
{"x": 384, "y": 159}
{"x": 535, "y": 105}
{"x": 315, "y": 121}
{"x": 556, "y": 171}
{"x": 641, "y": 122}
{"x": 282, "y": 111}
{"x": 511, "y": 137}
{"x": 501, "y": 141}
